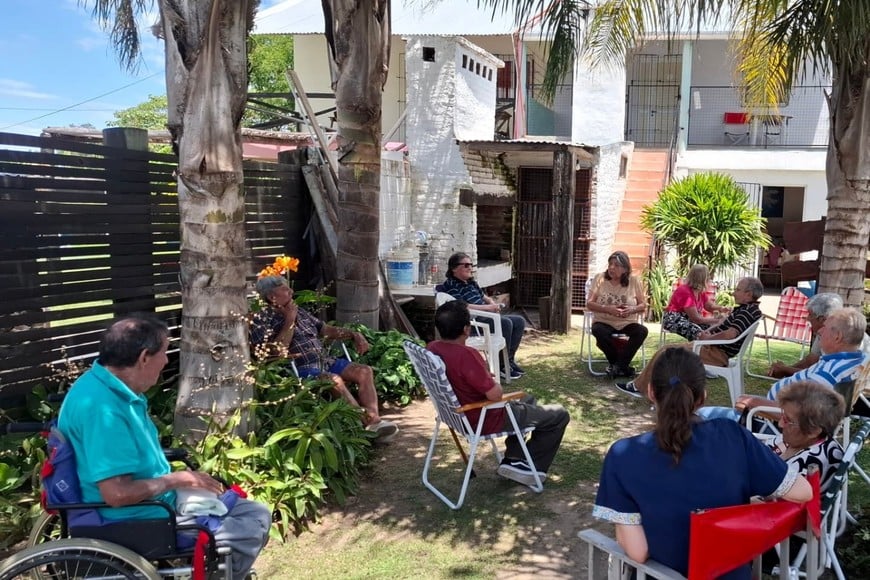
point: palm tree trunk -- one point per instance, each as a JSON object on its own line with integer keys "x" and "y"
{"x": 847, "y": 228}
{"x": 358, "y": 36}
{"x": 206, "y": 78}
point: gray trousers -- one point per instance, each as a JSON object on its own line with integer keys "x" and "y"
{"x": 244, "y": 530}
{"x": 549, "y": 421}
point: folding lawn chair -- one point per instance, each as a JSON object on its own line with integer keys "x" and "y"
{"x": 452, "y": 414}
{"x": 790, "y": 325}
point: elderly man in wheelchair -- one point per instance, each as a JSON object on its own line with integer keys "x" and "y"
{"x": 155, "y": 512}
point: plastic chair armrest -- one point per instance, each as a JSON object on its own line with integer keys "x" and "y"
{"x": 769, "y": 413}
{"x": 480, "y": 404}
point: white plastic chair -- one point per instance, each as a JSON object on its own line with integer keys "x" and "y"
{"x": 733, "y": 373}
{"x": 431, "y": 370}
{"x": 490, "y": 342}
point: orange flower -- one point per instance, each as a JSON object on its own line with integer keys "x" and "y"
{"x": 282, "y": 266}
{"x": 286, "y": 264}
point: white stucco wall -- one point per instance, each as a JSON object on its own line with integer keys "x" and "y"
{"x": 788, "y": 168}
{"x": 608, "y": 194}
{"x": 312, "y": 66}
{"x": 598, "y": 115}
{"x": 439, "y": 99}
{"x": 395, "y": 201}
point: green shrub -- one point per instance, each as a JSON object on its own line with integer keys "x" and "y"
{"x": 708, "y": 219}
{"x": 395, "y": 378}
{"x": 659, "y": 282}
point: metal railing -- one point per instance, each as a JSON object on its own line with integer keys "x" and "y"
{"x": 800, "y": 122}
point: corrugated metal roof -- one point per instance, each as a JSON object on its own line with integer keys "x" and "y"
{"x": 530, "y": 141}
{"x": 414, "y": 17}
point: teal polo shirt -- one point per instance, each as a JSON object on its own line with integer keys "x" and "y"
{"x": 112, "y": 434}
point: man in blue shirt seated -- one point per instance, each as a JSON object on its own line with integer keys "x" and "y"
{"x": 840, "y": 339}
{"x": 119, "y": 459}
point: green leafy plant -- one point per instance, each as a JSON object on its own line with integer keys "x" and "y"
{"x": 395, "y": 378}
{"x": 709, "y": 220}
{"x": 305, "y": 449}
{"x": 659, "y": 282}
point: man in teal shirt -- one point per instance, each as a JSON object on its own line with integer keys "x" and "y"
{"x": 118, "y": 455}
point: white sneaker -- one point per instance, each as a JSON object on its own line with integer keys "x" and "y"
{"x": 520, "y": 472}
{"x": 385, "y": 430}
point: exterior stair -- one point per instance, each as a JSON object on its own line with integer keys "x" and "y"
{"x": 644, "y": 181}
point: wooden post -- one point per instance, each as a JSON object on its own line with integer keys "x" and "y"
{"x": 128, "y": 182}
{"x": 562, "y": 236}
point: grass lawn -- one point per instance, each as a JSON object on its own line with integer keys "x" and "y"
{"x": 395, "y": 528}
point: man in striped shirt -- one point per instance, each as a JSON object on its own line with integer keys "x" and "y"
{"x": 840, "y": 339}
{"x": 746, "y": 294}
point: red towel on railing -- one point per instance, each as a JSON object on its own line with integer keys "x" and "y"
{"x": 722, "y": 539}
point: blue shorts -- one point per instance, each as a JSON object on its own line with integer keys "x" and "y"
{"x": 336, "y": 368}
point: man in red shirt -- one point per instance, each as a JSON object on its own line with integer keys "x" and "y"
{"x": 471, "y": 381}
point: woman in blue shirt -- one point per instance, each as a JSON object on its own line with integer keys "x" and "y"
{"x": 651, "y": 483}
{"x": 461, "y": 285}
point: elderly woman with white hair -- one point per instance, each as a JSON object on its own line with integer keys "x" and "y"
{"x": 818, "y": 309}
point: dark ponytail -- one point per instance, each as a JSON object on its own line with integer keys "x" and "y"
{"x": 678, "y": 383}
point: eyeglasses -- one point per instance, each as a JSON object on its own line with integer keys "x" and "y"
{"x": 465, "y": 265}
{"x": 786, "y": 420}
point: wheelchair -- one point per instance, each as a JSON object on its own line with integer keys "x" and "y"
{"x": 64, "y": 546}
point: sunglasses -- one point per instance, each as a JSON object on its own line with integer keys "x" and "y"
{"x": 465, "y": 265}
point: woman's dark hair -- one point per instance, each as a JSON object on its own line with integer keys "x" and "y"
{"x": 678, "y": 383}
{"x": 451, "y": 318}
{"x": 454, "y": 261}
{"x": 621, "y": 259}
{"x": 125, "y": 339}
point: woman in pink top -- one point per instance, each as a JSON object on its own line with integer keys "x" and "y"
{"x": 685, "y": 312}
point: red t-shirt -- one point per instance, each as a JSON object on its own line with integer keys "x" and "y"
{"x": 470, "y": 378}
{"x": 684, "y": 296}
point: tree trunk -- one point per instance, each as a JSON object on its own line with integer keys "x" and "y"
{"x": 847, "y": 228}
{"x": 206, "y": 79}
{"x": 358, "y": 37}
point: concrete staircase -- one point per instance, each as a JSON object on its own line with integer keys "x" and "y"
{"x": 645, "y": 178}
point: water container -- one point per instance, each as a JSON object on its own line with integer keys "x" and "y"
{"x": 402, "y": 268}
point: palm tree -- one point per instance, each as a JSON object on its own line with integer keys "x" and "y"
{"x": 358, "y": 40}
{"x": 206, "y": 81}
{"x": 778, "y": 41}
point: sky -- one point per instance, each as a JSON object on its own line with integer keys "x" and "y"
{"x": 58, "y": 67}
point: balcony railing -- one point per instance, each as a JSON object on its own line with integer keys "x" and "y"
{"x": 718, "y": 117}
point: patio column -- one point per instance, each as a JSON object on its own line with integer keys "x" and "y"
{"x": 685, "y": 96}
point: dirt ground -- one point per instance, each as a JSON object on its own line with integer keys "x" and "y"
{"x": 551, "y": 549}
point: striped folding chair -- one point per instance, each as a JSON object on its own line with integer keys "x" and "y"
{"x": 790, "y": 325}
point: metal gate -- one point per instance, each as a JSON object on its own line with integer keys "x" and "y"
{"x": 652, "y": 99}
{"x": 535, "y": 235}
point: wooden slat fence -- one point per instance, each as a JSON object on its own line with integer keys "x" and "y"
{"x": 90, "y": 232}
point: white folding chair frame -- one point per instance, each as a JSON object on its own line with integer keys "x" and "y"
{"x": 449, "y": 413}
{"x": 733, "y": 373}
{"x": 805, "y": 340}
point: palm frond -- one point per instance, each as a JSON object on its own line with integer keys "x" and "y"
{"x": 119, "y": 17}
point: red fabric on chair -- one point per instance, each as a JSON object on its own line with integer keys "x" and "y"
{"x": 791, "y": 317}
{"x": 735, "y": 118}
{"x": 722, "y": 539}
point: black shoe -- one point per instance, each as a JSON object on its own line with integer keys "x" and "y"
{"x": 627, "y": 372}
{"x": 517, "y": 368}
{"x": 629, "y": 388}
{"x": 516, "y": 374}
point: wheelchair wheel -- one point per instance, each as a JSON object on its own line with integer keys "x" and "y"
{"x": 74, "y": 558}
{"x": 46, "y": 528}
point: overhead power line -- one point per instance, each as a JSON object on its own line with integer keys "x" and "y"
{"x": 56, "y": 111}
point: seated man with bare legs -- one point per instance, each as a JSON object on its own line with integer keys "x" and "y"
{"x": 282, "y": 322}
